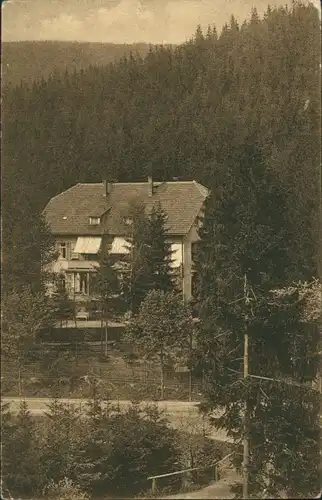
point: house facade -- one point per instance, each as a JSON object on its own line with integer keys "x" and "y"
{"x": 84, "y": 216}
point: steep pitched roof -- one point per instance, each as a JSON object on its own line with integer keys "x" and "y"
{"x": 69, "y": 212}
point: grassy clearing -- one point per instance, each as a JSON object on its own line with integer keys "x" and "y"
{"x": 118, "y": 376}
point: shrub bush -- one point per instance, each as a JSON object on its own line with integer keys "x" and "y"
{"x": 64, "y": 490}
{"x": 69, "y": 454}
{"x": 121, "y": 449}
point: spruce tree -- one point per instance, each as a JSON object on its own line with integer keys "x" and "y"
{"x": 106, "y": 283}
{"x": 92, "y": 462}
{"x": 142, "y": 445}
{"x": 243, "y": 256}
{"x": 8, "y": 428}
{"x": 121, "y": 449}
{"x": 106, "y": 286}
{"x": 22, "y": 474}
{"x": 137, "y": 271}
{"x": 61, "y": 433}
{"x": 158, "y": 252}
{"x": 28, "y": 246}
{"x": 150, "y": 255}
{"x": 287, "y": 346}
{"x": 64, "y": 307}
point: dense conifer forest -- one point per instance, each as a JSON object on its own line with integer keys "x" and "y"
{"x": 32, "y": 60}
{"x": 183, "y": 112}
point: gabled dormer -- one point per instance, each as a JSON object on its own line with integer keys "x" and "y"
{"x": 94, "y": 220}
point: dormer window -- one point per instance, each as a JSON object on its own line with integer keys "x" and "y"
{"x": 94, "y": 221}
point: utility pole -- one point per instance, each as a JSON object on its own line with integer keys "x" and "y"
{"x": 246, "y": 409}
{"x": 246, "y": 424}
{"x": 190, "y": 372}
{"x": 102, "y": 322}
{"x": 106, "y": 336}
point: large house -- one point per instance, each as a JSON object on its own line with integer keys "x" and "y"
{"x": 81, "y": 216}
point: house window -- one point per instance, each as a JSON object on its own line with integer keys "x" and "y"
{"x": 63, "y": 250}
{"x": 84, "y": 283}
{"x": 62, "y": 283}
{"x": 94, "y": 221}
{"x": 81, "y": 283}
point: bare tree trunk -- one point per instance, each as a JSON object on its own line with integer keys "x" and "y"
{"x": 76, "y": 353}
{"x": 246, "y": 425}
{"x": 190, "y": 385}
{"x": 162, "y": 375}
{"x": 102, "y": 322}
{"x": 190, "y": 372}
{"x": 19, "y": 380}
{"x": 162, "y": 382}
{"x": 246, "y": 414}
{"x": 75, "y": 310}
{"x": 106, "y": 331}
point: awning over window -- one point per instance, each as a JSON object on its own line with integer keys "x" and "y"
{"x": 120, "y": 246}
{"x": 88, "y": 244}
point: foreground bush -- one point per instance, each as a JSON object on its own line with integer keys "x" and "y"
{"x": 64, "y": 490}
{"x": 105, "y": 451}
{"x": 21, "y": 472}
{"x": 121, "y": 449}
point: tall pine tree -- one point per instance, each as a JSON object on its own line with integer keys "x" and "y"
{"x": 243, "y": 256}
{"x": 21, "y": 454}
{"x": 105, "y": 285}
{"x": 64, "y": 307}
{"x": 136, "y": 277}
{"x": 158, "y": 252}
{"x": 150, "y": 254}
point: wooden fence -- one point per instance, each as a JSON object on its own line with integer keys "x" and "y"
{"x": 185, "y": 471}
{"x": 72, "y": 376}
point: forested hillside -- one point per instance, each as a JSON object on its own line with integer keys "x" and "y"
{"x": 185, "y": 112}
{"x": 28, "y": 61}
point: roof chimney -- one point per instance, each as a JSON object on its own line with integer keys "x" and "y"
{"x": 107, "y": 188}
{"x": 150, "y": 185}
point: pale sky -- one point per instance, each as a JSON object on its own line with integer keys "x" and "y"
{"x": 119, "y": 21}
